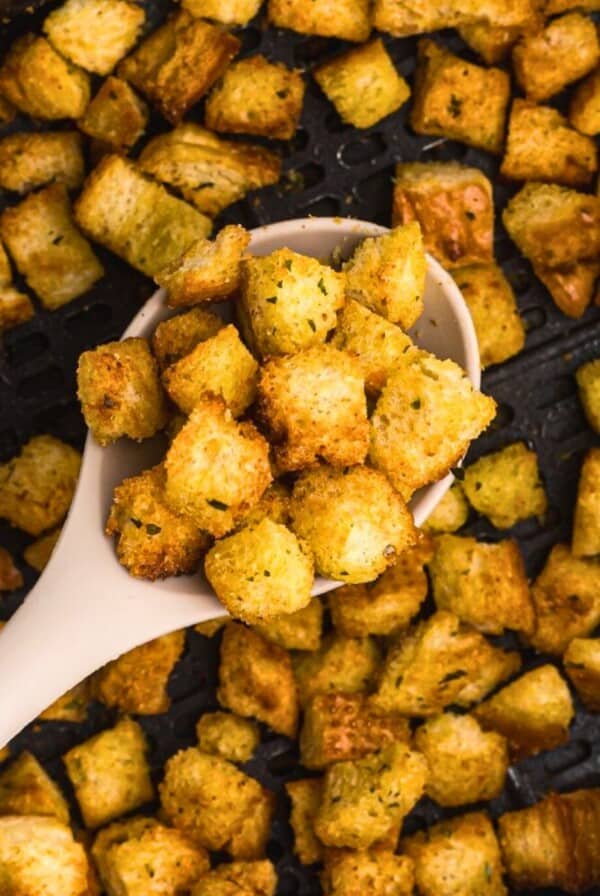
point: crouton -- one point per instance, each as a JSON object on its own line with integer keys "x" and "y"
{"x": 274, "y": 505}
{"x": 458, "y": 100}
{"x": 217, "y": 469}
{"x": 339, "y": 727}
{"x": 135, "y": 217}
{"x": 209, "y": 800}
{"x": 110, "y": 773}
{"x": 295, "y": 631}
{"x": 387, "y": 605}
{"x": 454, "y": 207}
{"x": 48, "y": 249}
{"x": 586, "y": 524}
{"x": 207, "y": 271}
{"x": 227, "y": 735}
{"x": 247, "y": 878}
{"x": 491, "y": 301}
{"x": 362, "y": 799}
{"x": 71, "y": 706}
{"x": 564, "y": 51}
{"x": 344, "y": 19}
{"x": 584, "y": 109}
{"x": 256, "y": 679}
{"x": 353, "y": 521}
{"x": 314, "y": 407}
{"x": 450, "y": 514}
{"x": 542, "y": 147}
{"x": 456, "y": 857}
{"x": 5, "y": 268}
{"x": 378, "y": 872}
{"x": 37, "y": 486}
{"x": 483, "y": 584}
{"x": 363, "y": 84}
{"x": 15, "y": 308}
{"x": 116, "y": 116}
{"x": 176, "y": 337}
{"x": 566, "y": 598}
{"x": 228, "y": 12}
{"x": 581, "y": 662}
{"x": 27, "y": 789}
{"x": 505, "y": 486}
{"x": 424, "y": 420}
{"x": 440, "y": 662}
{"x": 345, "y": 665}
{"x": 179, "y": 62}
{"x": 211, "y": 627}
{"x": 305, "y": 796}
{"x": 466, "y": 765}
{"x": 404, "y": 18}
{"x": 38, "y": 553}
{"x": 588, "y": 384}
{"x": 39, "y": 82}
{"x": 492, "y": 43}
{"x": 29, "y": 160}
{"x": 10, "y": 576}
{"x": 7, "y": 111}
{"x": 39, "y": 857}
{"x": 220, "y": 366}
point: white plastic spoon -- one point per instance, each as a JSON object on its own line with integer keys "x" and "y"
{"x": 86, "y": 609}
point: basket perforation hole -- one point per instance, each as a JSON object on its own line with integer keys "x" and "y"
{"x": 63, "y": 417}
{"x": 85, "y": 321}
{"x": 356, "y": 152}
{"x": 26, "y": 348}
{"x": 41, "y": 383}
{"x": 250, "y": 38}
{"x": 505, "y": 415}
{"x": 533, "y": 317}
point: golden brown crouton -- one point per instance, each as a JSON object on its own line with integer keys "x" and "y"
{"x": 588, "y": 383}
{"x": 362, "y": 799}
{"x": 110, "y": 773}
{"x": 363, "y": 84}
{"x": 243, "y": 878}
{"x": 7, "y": 111}
{"x": 5, "y": 268}
{"x": 454, "y": 207}
{"x": 37, "y": 486}
{"x": 116, "y": 116}
{"x": 314, "y": 407}
{"x": 135, "y": 217}
{"x": 274, "y": 504}
{"x": 15, "y": 308}
{"x": 256, "y": 679}
{"x": 211, "y": 627}
{"x": 505, "y": 486}
{"x": 466, "y": 765}
{"x": 48, "y": 249}
{"x": 39, "y": 82}
{"x": 456, "y": 99}
{"x": 10, "y": 575}
{"x": 484, "y": 584}
{"x": 402, "y": 17}
{"x": 295, "y": 631}
{"x": 227, "y": 735}
{"x": 178, "y": 63}
{"x": 207, "y": 271}
{"x": 378, "y": 872}
{"x": 29, "y": 160}
{"x": 581, "y": 662}
{"x": 345, "y": 19}
{"x": 564, "y": 51}
{"x": 39, "y": 857}
{"x": 440, "y": 662}
{"x": 39, "y": 551}
{"x": 338, "y": 727}
{"x": 27, "y": 789}
{"x": 340, "y": 665}
{"x": 586, "y": 524}
{"x": 228, "y": 12}
{"x": 491, "y": 301}
{"x": 71, "y": 706}
{"x": 492, "y": 43}
{"x": 542, "y": 147}
{"x": 353, "y": 521}
{"x": 584, "y": 110}
{"x": 566, "y": 597}
{"x": 305, "y": 796}
{"x": 217, "y": 469}
{"x": 450, "y": 514}
{"x": 457, "y": 857}
{"x": 177, "y": 336}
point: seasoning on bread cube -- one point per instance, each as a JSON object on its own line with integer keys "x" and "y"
{"x": 584, "y": 109}
{"x": 39, "y": 855}
{"x": 257, "y": 878}
{"x": 305, "y": 796}
{"x": 505, "y": 486}
{"x": 27, "y": 789}
{"x": 72, "y": 706}
{"x": 344, "y": 19}
{"x": 402, "y": 19}
{"x": 177, "y": 336}
{"x": 37, "y": 486}
{"x": 274, "y": 505}
{"x": 38, "y": 553}
{"x": 110, "y": 773}
{"x": 227, "y": 735}
{"x": 295, "y": 631}
{"x": 375, "y": 871}
{"x": 588, "y": 384}
{"x": 228, "y": 12}
{"x": 30, "y": 160}
{"x": 116, "y": 116}
{"x": 454, "y": 207}
{"x": 450, "y": 514}
{"x": 10, "y": 576}
{"x": 586, "y": 524}
{"x": 581, "y": 662}
{"x": 340, "y": 665}
{"x": 492, "y": 42}
{"x": 15, "y": 307}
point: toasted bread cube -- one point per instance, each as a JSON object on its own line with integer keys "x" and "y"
{"x": 584, "y": 109}
{"x": 586, "y": 524}
{"x": 39, "y": 82}
{"x": 116, "y": 116}
{"x": 344, "y": 19}
{"x": 440, "y": 662}
{"x": 492, "y": 43}
{"x": 338, "y": 727}
{"x": 344, "y": 665}
{"x": 15, "y": 308}
{"x": 378, "y": 872}
{"x": 220, "y": 366}
{"x": 176, "y": 337}
{"x": 39, "y": 857}
{"x": 211, "y": 627}
{"x": 256, "y": 679}
{"x": 484, "y": 584}
{"x": 424, "y": 420}
{"x": 207, "y": 271}
{"x": 38, "y": 553}
{"x": 227, "y": 735}
{"x": 458, "y": 100}
{"x": 450, "y": 514}
{"x": 314, "y": 407}
{"x": 353, "y": 521}
{"x": 7, "y": 111}
{"x": 542, "y": 147}
{"x": 27, "y": 789}
{"x": 110, "y": 773}
{"x": 363, "y": 84}
{"x": 10, "y": 575}
{"x": 466, "y": 765}
{"x": 178, "y": 63}
{"x": 581, "y": 662}
{"x": 4, "y": 754}
{"x": 29, "y": 160}
{"x": 217, "y": 469}
{"x": 305, "y": 796}
{"x": 5, "y": 268}
{"x": 56, "y": 261}
{"x": 72, "y": 706}
{"x": 565, "y": 50}
{"x": 274, "y": 505}
{"x": 135, "y": 217}
{"x": 228, "y": 12}
{"x": 256, "y": 96}
{"x": 209, "y": 799}
{"x": 505, "y": 486}
{"x": 120, "y": 392}
{"x": 289, "y": 301}
{"x": 257, "y": 878}
{"x": 362, "y": 799}
{"x": 457, "y": 857}
{"x": 295, "y": 631}
{"x": 454, "y": 207}
{"x": 387, "y": 605}
{"x": 588, "y": 383}
{"x": 37, "y": 486}
{"x": 405, "y": 18}
{"x": 566, "y": 598}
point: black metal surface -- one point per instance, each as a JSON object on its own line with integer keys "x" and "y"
{"x": 330, "y": 168}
